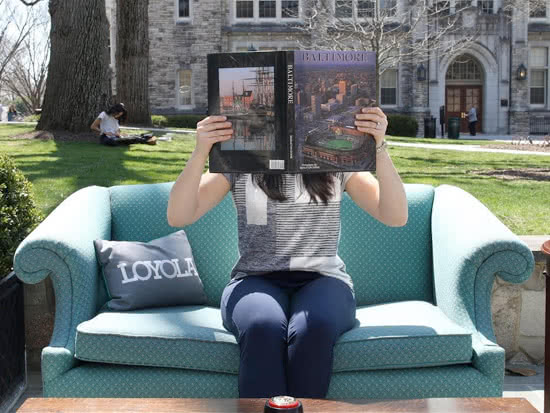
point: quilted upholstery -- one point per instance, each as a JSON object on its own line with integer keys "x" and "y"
{"x": 112, "y": 380}
{"x": 389, "y": 263}
{"x": 470, "y": 246}
{"x": 190, "y": 337}
{"x": 396, "y": 335}
{"x": 447, "y": 255}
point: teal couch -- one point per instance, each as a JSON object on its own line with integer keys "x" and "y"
{"x": 423, "y": 292}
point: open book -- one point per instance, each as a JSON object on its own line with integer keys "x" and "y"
{"x": 292, "y": 111}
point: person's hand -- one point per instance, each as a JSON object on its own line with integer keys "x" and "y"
{"x": 210, "y": 130}
{"x": 372, "y": 121}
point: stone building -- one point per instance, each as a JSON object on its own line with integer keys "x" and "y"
{"x": 486, "y": 74}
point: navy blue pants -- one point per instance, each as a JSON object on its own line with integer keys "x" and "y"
{"x": 116, "y": 141}
{"x": 286, "y": 324}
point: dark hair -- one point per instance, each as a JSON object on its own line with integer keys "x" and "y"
{"x": 320, "y": 186}
{"x": 117, "y": 108}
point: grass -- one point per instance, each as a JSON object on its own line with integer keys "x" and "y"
{"x": 339, "y": 144}
{"x": 58, "y": 169}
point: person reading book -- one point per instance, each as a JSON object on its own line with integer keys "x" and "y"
{"x": 107, "y": 124}
{"x": 289, "y": 297}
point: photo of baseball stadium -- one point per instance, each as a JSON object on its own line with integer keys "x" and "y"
{"x": 337, "y": 145}
{"x": 247, "y": 97}
{"x": 329, "y": 92}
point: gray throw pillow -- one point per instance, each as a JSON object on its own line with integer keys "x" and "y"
{"x": 157, "y": 273}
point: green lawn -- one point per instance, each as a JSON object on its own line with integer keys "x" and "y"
{"x": 339, "y": 144}
{"x": 57, "y": 169}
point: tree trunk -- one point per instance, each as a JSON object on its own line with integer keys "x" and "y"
{"x": 77, "y": 88}
{"x": 132, "y": 59}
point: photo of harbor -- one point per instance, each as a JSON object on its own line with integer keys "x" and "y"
{"x": 247, "y": 98}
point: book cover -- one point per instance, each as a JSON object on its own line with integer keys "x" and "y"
{"x": 292, "y": 111}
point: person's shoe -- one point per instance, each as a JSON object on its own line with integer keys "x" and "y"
{"x": 151, "y": 141}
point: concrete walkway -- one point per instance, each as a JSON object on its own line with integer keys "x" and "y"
{"x": 465, "y": 148}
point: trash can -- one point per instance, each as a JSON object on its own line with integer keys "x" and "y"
{"x": 429, "y": 127}
{"x": 453, "y": 128}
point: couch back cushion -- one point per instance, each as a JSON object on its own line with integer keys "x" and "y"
{"x": 386, "y": 264}
{"x": 389, "y": 264}
{"x": 138, "y": 213}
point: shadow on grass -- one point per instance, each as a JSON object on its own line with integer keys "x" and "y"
{"x": 58, "y": 169}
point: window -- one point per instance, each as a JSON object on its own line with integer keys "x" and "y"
{"x": 537, "y": 9}
{"x": 388, "y": 87}
{"x": 442, "y": 8}
{"x": 184, "y": 88}
{"x": 183, "y": 9}
{"x": 289, "y": 9}
{"x": 486, "y": 6}
{"x": 538, "y": 65}
{"x": 365, "y": 8}
{"x": 267, "y": 8}
{"x": 245, "y": 9}
{"x": 464, "y": 68}
{"x": 462, "y": 4}
{"x": 258, "y": 10}
{"x": 537, "y": 85}
{"x": 388, "y": 7}
{"x": 344, "y": 8}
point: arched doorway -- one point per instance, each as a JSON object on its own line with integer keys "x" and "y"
{"x": 464, "y": 88}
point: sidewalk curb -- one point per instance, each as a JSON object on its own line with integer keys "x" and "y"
{"x": 465, "y": 148}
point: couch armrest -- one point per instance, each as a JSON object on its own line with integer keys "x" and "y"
{"x": 62, "y": 247}
{"x": 489, "y": 359}
{"x": 470, "y": 247}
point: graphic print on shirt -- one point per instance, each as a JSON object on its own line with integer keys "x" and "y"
{"x": 289, "y": 235}
{"x": 306, "y": 229}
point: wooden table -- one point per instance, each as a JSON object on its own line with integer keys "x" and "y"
{"x": 485, "y": 405}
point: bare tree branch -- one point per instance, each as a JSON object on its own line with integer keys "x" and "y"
{"x": 26, "y": 76}
{"x": 15, "y": 27}
{"x": 399, "y": 32}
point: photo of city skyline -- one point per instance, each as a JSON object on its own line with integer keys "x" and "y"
{"x": 331, "y": 87}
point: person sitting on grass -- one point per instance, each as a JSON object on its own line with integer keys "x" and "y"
{"x": 107, "y": 124}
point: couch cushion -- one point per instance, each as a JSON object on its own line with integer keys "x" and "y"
{"x": 396, "y": 335}
{"x": 400, "y": 335}
{"x": 190, "y": 337}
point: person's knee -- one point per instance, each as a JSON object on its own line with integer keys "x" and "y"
{"x": 313, "y": 328}
{"x": 263, "y": 328}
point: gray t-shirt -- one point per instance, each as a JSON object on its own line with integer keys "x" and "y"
{"x": 291, "y": 235}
